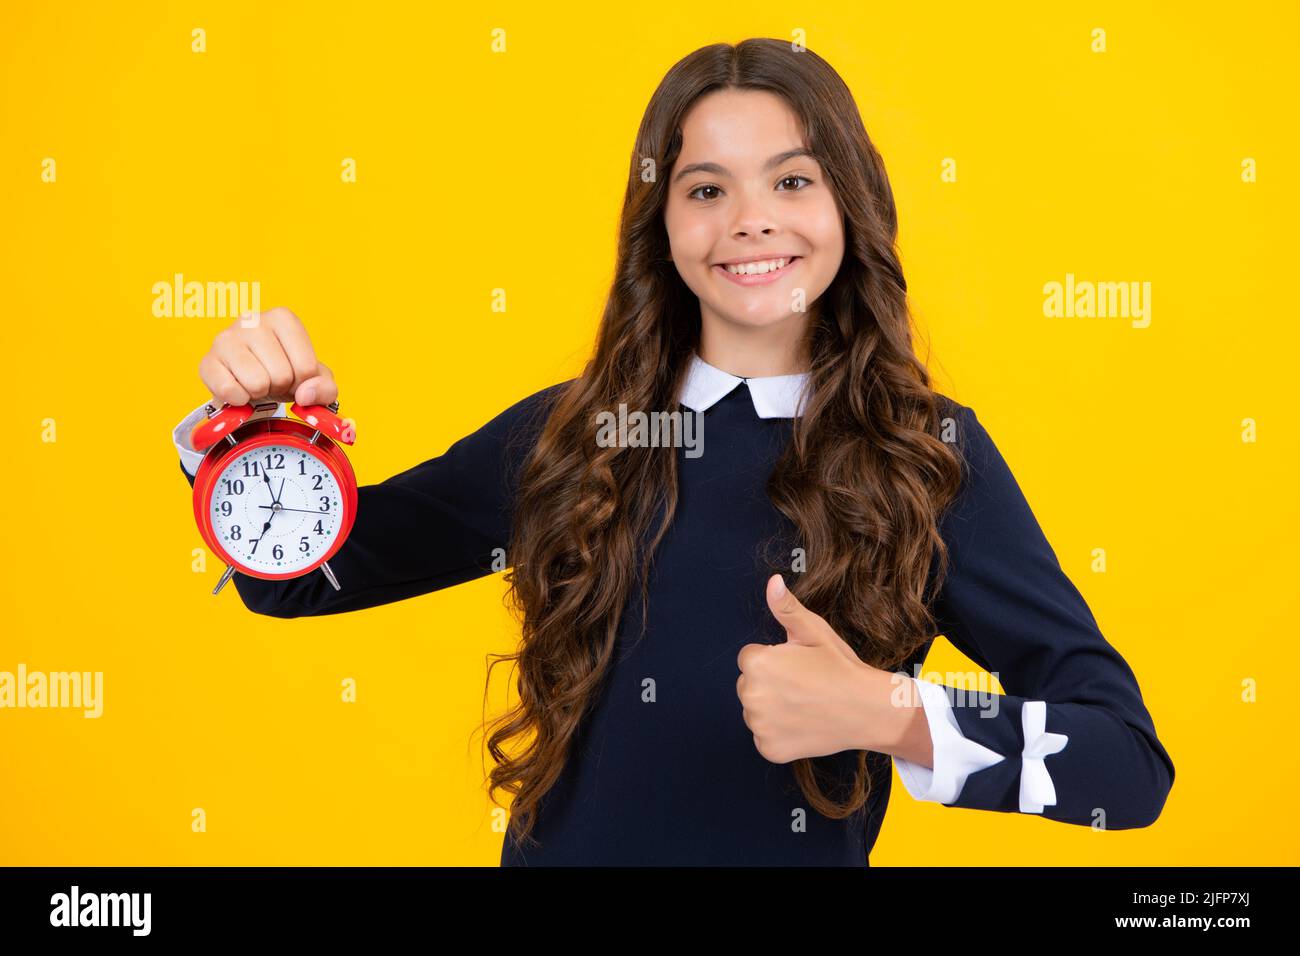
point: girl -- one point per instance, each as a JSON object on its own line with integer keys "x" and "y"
{"x": 715, "y": 655}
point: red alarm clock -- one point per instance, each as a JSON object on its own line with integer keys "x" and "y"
{"x": 276, "y": 498}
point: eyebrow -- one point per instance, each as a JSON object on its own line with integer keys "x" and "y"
{"x": 714, "y": 168}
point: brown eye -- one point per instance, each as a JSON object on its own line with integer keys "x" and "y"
{"x": 787, "y": 179}
{"x": 691, "y": 194}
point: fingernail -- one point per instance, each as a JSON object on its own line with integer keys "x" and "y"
{"x": 308, "y": 395}
{"x": 780, "y": 586}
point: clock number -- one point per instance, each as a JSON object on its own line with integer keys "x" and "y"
{"x": 277, "y": 552}
{"x": 319, "y": 528}
{"x": 302, "y": 466}
{"x": 250, "y": 469}
{"x": 303, "y": 546}
{"x": 324, "y": 503}
{"x": 234, "y": 532}
{"x": 226, "y": 509}
{"x": 316, "y": 487}
{"x": 235, "y": 487}
{"x": 279, "y": 467}
{"x": 254, "y": 540}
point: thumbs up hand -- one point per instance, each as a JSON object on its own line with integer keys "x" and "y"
{"x": 810, "y": 696}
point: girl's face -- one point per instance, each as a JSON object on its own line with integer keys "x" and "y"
{"x": 740, "y": 192}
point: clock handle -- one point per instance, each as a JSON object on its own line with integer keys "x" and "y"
{"x": 222, "y": 422}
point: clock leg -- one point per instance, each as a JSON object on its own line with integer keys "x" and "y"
{"x": 230, "y": 569}
{"x": 329, "y": 573}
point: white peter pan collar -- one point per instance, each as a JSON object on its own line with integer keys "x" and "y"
{"x": 774, "y": 396}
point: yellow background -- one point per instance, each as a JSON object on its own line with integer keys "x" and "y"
{"x": 479, "y": 170}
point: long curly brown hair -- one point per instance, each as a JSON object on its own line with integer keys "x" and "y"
{"x": 862, "y": 481}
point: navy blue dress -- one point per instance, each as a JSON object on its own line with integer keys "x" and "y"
{"x": 664, "y": 771}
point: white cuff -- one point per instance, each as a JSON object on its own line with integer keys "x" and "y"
{"x": 191, "y": 459}
{"x": 956, "y": 757}
{"x": 1036, "y": 787}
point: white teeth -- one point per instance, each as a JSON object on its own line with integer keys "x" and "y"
{"x": 756, "y": 268}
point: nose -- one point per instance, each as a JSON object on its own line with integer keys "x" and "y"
{"x": 753, "y": 218}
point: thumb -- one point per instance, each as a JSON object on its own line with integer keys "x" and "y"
{"x": 801, "y": 625}
{"x": 318, "y": 390}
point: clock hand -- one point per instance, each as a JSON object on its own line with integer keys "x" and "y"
{"x": 299, "y": 510}
{"x": 263, "y": 534}
{"x": 271, "y": 516}
{"x": 275, "y": 499}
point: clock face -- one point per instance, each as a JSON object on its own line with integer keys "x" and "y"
{"x": 276, "y": 509}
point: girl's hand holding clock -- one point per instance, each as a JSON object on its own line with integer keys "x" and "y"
{"x": 813, "y": 696}
{"x": 266, "y": 355}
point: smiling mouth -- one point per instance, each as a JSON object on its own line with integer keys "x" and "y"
{"x": 759, "y": 267}
{"x": 760, "y": 272}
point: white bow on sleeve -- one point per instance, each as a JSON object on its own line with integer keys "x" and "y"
{"x": 1036, "y": 787}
